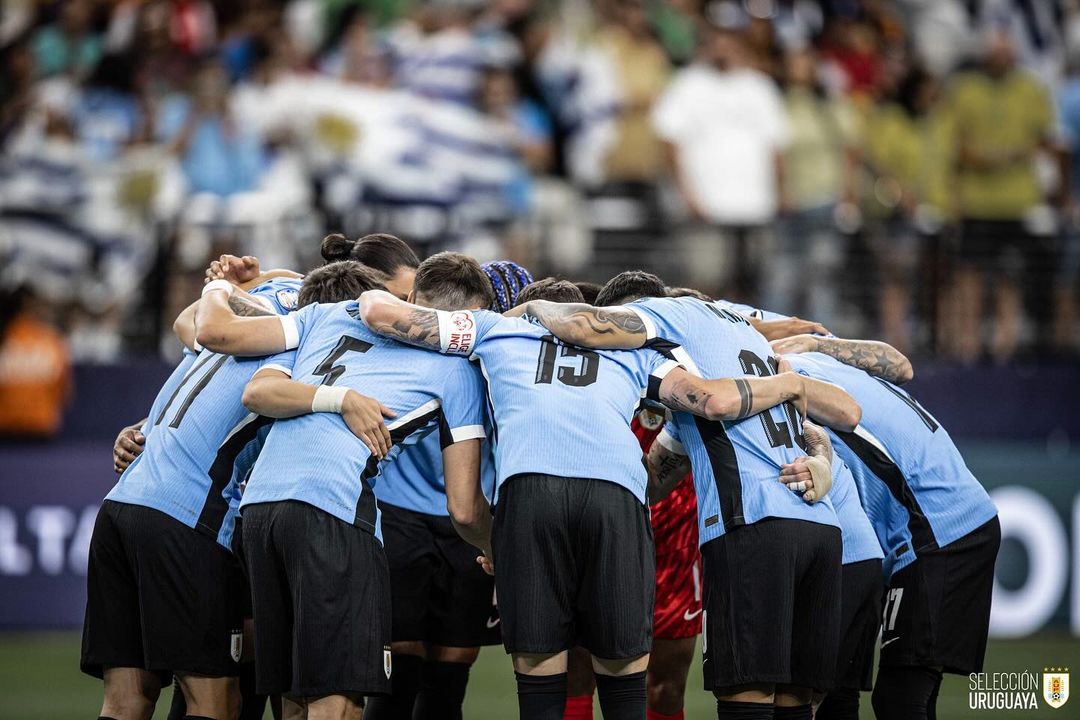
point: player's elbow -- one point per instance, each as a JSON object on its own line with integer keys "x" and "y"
{"x": 254, "y": 396}
{"x": 464, "y": 514}
{"x": 373, "y": 308}
{"x": 721, "y": 406}
{"x": 848, "y": 416}
{"x": 212, "y": 337}
{"x": 904, "y": 372}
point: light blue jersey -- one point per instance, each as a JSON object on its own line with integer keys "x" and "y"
{"x": 557, "y": 409}
{"x": 415, "y": 480}
{"x": 188, "y": 468}
{"x": 856, "y": 532}
{"x": 912, "y": 481}
{"x": 282, "y": 294}
{"x": 172, "y": 383}
{"x": 736, "y": 464}
{"x": 315, "y": 458}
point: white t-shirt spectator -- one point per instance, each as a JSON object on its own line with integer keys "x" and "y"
{"x": 726, "y": 127}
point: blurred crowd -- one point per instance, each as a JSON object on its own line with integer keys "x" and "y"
{"x": 890, "y": 168}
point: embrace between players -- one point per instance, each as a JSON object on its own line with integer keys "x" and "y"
{"x": 333, "y": 449}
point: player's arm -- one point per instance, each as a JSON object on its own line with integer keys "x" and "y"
{"x": 273, "y": 393}
{"x": 786, "y": 327}
{"x": 220, "y": 328}
{"x": 811, "y": 474}
{"x": 128, "y": 446}
{"x": 244, "y": 272}
{"x": 393, "y": 317}
{"x": 612, "y": 328}
{"x": 668, "y": 464}
{"x": 880, "y": 359}
{"x": 729, "y": 398}
{"x": 469, "y": 509}
{"x": 242, "y": 303}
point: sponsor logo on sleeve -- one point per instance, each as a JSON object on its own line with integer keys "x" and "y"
{"x": 462, "y": 333}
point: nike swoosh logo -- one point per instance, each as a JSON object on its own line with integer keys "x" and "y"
{"x": 492, "y": 622}
{"x": 691, "y": 615}
{"x": 890, "y": 640}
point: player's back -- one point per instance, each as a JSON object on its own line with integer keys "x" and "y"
{"x": 561, "y": 410}
{"x": 736, "y": 464}
{"x": 315, "y": 458}
{"x": 187, "y": 468}
{"x": 856, "y": 531}
{"x": 913, "y": 481}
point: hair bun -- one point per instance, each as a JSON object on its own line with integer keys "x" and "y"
{"x": 335, "y": 247}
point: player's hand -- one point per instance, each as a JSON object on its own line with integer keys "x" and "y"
{"x": 811, "y": 475}
{"x": 237, "y": 270}
{"x": 364, "y": 416}
{"x": 128, "y": 446}
{"x": 485, "y": 562}
{"x": 795, "y": 344}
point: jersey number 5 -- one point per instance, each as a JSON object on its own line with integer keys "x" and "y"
{"x": 331, "y": 372}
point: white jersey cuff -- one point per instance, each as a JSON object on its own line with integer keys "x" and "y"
{"x": 670, "y": 444}
{"x": 292, "y": 333}
{"x": 457, "y": 331}
{"x": 650, "y": 326}
{"x": 467, "y": 432}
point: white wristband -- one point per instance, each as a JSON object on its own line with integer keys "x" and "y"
{"x": 328, "y": 398}
{"x": 218, "y": 285}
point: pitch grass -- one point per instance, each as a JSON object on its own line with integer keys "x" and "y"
{"x": 40, "y": 680}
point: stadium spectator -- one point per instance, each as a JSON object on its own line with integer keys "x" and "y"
{"x": 70, "y": 45}
{"x": 35, "y": 372}
{"x": 726, "y": 131}
{"x": 1002, "y": 118}
{"x": 818, "y": 183}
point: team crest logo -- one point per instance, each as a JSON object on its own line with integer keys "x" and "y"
{"x": 387, "y": 663}
{"x": 288, "y": 298}
{"x": 462, "y": 321}
{"x": 650, "y": 420}
{"x": 236, "y": 645}
{"x": 1055, "y": 686}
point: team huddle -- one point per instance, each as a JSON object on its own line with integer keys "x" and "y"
{"x": 357, "y": 478}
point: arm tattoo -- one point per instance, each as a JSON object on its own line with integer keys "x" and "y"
{"x": 877, "y": 358}
{"x": 687, "y": 397}
{"x": 572, "y": 321}
{"x": 746, "y": 397}
{"x": 421, "y": 328}
{"x": 244, "y": 307}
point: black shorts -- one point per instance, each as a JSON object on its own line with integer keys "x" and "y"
{"x": 321, "y": 594}
{"x": 159, "y": 596}
{"x": 771, "y": 611}
{"x": 237, "y": 545}
{"x": 860, "y": 623}
{"x": 441, "y": 595}
{"x": 574, "y": 565}
{"x": 937, "y": 609}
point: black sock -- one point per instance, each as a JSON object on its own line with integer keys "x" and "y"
{"x": 541, "y": 697}
{"x": 798, "y": 712}
{"x": 442, "y": 692}
{"x": 408, "y": 675}
{"x": 728, "y": 710}
{"x": 623, "y": 697}
{"x": 252, "y": 704}
{"x": 197, "y": 717}
{"x": 840, "y": 704}
{"x": 906, "y": 693}
{"x": 105, "y": 717}
{"x": 178, "y": 709}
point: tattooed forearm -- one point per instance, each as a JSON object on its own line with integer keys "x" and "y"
{"x": 746, "y": 396}
{"x": 668, "y": 468}
{"x": 877, "y": 358}
{"x": 420, "y": 327}
{"x": 687, "y": 396}
{"x": 244, "y": 307}
{"x": 590, "y": 326}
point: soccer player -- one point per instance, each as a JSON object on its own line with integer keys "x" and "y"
{"x": 162, "y": 586}
{"x": 571, "y": 540}
{"x": 312, "y": 534}
{"x": 936, "y": 524}
{"x": 769, "y": 638}
{"x": 386, "y": 253}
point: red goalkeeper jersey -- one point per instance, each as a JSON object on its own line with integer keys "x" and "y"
{"x": 674, "y": 519}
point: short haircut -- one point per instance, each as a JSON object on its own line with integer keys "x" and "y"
{"x": 589, "y": 291}
{"x": 379, "y": 251}
{"x": 629, "y": 286}
{"x": 688, "y": 292}
{"x": 552, "y": 290}
{"x": 337, "y": 281}
{"x": 452, "y": 281}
